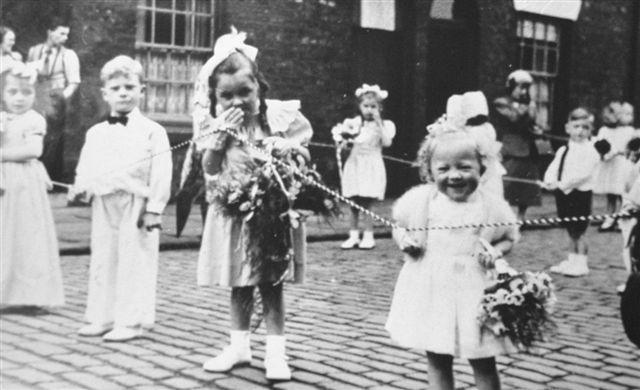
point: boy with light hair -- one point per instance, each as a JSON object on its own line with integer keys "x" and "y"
{"x": 126, "y": 169}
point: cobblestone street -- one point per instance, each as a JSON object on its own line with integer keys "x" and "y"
{"x": 335, "y": 328}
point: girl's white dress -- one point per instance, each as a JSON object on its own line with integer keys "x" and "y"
{"x": 29, "y": 257}
{"x": 364, "y": 173}
{"x": 222, "y": 259}
{"x": 612, "y": 171}
{"x": 436, "y": 299}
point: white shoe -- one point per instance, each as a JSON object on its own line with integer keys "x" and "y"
{"x": 352, "y": 241}
{"x": 237, "y": 352}
{"x": 227, "y": 359}
{"x": 578, "y": 267}
{"x": 367, "y": 241}
{"x": 94, "y": 330}
{"x": 123, "y": 333}
{"x": 275, "y": 360}
{"x": 560, "y": 267}
{"x": 620, "y": 289}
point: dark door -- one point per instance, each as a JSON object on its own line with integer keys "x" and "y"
{"x": 451, "y": 56}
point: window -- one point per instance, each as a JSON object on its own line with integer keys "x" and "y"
{"x": 539, "y": 53}
{"x": 378, "y": 14}
{"x": 173, "y": 40}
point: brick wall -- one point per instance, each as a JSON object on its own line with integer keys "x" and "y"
{"x": 601, "y": 53}
{"x": 307, "y": 50}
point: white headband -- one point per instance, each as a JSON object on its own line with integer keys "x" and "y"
{"x": 224, "y": 47}
{"x": 375, "y": 89}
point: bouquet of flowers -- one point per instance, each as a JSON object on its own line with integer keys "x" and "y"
{"x": 271, "y": 200}
{"x": 519, "y": 306}
{"x": 347, "y": 130}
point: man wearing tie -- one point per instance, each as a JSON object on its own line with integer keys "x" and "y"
{"x": 58, "y": 79}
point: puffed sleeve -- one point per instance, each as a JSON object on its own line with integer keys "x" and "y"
{"x": 411, "y": 211}
{"x": 388, "y": 132}
{"x": 285, "y": 118}
{"x": 501, "y": 212}
{"x": 38, "y": 126}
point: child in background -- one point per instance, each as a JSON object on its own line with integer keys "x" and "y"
{"x": 238, "y": 91}
{"x": 364, "y": 178}
{"x": 611, "y": 171}
{"x": 29, "y": 258}
{"x": 439, "y": 289}
{"x": 123, "y": 169}
{"x": 475, "y": 111}
{"x": 570, "y": 176}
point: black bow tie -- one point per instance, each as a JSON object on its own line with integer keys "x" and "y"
{"x": 117, "y": 119}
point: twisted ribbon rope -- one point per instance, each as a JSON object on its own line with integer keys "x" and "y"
{"x": 395, "y": 225}
{"x": 350, "y": 203}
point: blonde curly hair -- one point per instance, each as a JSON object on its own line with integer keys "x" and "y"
{"x": 447, "y": 135}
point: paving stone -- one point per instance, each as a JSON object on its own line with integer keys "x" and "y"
{"x": 131, "y": 381}
{"x": 307, "y": 377}
{"x": 575, "y": 360}
{"x": 410, "y": 384}
{"x": 383, "y": 377}
{"x": 124, "y": 361}
{"x": 356, "y": 380}
{"x": 18, "y": 356}
{"x": 29, "y": 375}
{"x": 595, "y": 383}
{"x": 627, "y": 381}
{"x": 292, "y": 386}
{"x": 237, "y": 383}
{"x": 79, "y": 360}
{"x": 57, "y": 386}
{"x": 527, "y": 375}
{"x": 348, "y": 366}
{"x": 312, "y": 366}
{"x": 90, "y": 381}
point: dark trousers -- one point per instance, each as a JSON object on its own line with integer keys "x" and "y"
{"x": 51, "y": 104}
{"x": 574, "y": 204}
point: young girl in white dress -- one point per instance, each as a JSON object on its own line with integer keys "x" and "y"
{"x": 613, "y": 168}
{"x": 438, "y": 292}
{"x": 238, "y": 102}
{"x": 29, "y": 255}
{"x": 364, "y": 178}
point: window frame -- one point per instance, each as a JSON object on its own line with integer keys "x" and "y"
{"x": 148, "y": 52}
{"x": 541, "y": 75}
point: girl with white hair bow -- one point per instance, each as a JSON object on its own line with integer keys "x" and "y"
{"x": 236, "y": 92}
{"x": 364, "y": 178}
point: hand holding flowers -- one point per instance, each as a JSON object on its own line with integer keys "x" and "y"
{"x": 347, "y": 130}
{"x": 519, "y": 306}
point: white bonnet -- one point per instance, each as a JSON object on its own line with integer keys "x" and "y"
{"x": 455, "y": 117}
{"x": 474, "y": 103}
{"x": 520, "y": 76}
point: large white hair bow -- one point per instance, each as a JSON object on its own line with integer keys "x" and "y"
{"x": 224, "y": 47}
{"x": 366, "y": 88}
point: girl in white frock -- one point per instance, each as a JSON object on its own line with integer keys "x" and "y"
{"x": 364, "y": 178}
{"x": 613, "y": 168}
{"x": 438, "y": 292}
{"x": 238, "y": 96}
{"x": 29, "y": 255}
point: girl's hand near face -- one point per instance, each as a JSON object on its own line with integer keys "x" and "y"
{"x": 232, "y": 118}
